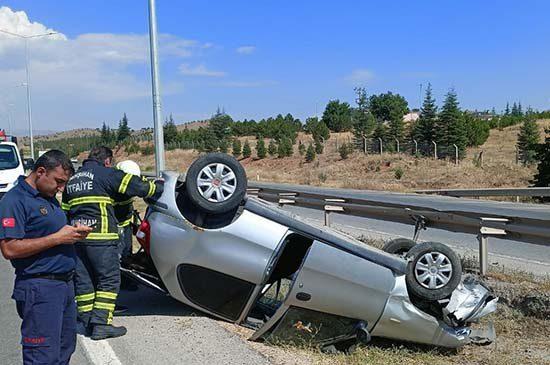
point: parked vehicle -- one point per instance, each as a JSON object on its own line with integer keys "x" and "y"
{"x": 11, "y": 166}
{"x": 247, "y": 261}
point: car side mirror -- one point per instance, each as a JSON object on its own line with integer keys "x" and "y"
{"x": 28, "y": 163}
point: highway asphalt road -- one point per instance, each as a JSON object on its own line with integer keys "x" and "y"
{"x": 161, "y": 331}
{"x": 513, "y": 254}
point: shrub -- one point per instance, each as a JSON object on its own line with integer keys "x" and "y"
{"x": 398, "y": 173}
{"x": 310, "y": 153}
{"x": 345, "y": 150}
{"x": 147, "y": 150}
{"x": 272, "y": 148}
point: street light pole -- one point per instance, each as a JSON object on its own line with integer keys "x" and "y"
{"x": 28, "y": 84}
{"x": 157, "y": 116}
{"x": 29, "y": 108}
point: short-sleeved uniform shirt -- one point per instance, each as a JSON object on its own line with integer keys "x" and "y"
{"x": 24, "y": 213}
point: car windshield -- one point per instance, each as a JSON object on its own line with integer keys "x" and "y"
{"x": 8, "y": 157}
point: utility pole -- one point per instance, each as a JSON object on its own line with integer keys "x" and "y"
{"x": 28, "y": 83}
{"x": 157, "y": 116}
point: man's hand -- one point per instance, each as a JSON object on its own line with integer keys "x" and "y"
{"x": 70, "y": 234}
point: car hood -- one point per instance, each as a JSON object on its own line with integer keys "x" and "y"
{"x": 10, "y": 176}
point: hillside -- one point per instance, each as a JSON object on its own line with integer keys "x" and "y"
{"x": 378, "y": 172}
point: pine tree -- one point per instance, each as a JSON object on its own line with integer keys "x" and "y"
{"x": 272, "y": 148}
{"x": 237, "y": 147}
{"x": 123, "y": 129}
{"x": 260, "y": 148}
{"x": 528, "y": 140}
{"x": 218, "y": 132}
{"x": 542, "y": 177}
{"x": 170, "y": 131}
{"x": 362, "y": 119}
{"x": 310, "y": 153}
{"x": 520, "y": 112}
{"x": 337, "y": 116}
{"x": 105, "y": 135}
{"x": 507, "y": 110}
{"x": 285, "y": 148}
{"x": 450, "y": 128}
{"x": 515, "y": 110}
{"x": 247, "y": 152}
{"x": 319, "y": 147}
{"x": 423, "y": 130}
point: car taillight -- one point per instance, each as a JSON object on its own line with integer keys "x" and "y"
{"x": 143, "y": 235}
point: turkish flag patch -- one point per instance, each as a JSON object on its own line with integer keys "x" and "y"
{"x": 8, "y": 222}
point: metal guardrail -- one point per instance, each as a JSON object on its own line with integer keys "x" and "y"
{"x": 521, "y": 222}
{"x": 517, "y": 192}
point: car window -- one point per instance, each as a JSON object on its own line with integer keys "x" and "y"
{"x": 8, "y": 157}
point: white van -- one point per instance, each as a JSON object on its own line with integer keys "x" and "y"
{"x": 11, "y": 166}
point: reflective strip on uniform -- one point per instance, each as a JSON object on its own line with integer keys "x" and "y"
{"x": 106, "y": 306}
{"x": 104, "y": 218}
{"x": 126, "y": 222}
{"x": 124, "y": 184}
{"x": 126, "y": 202}
{"x": 102, "y": 236}
{"x": 90, "y": 200}
{"x": 65, "y": 206}
{"x": 106, "y": 295}
{"x": 85, "y": 308}
{"x": 85, "y": 297}
{"x": 152, "y": 189}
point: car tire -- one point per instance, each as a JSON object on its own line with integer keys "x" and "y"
{"x": 433, "y": 271}
{"x": 216, "y": 183}
{"x": 399, "y": 246}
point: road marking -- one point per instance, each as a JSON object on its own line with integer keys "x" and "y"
{"x": 99, "y": 352}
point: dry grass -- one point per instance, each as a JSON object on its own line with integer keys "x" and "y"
{"x": 378, "y": 172}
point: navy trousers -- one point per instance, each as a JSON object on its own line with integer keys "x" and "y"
{"x": 48, "y": 310}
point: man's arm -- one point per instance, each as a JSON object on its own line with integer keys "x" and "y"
{"x": 22, "y": 248}
{"x": 132, "y": 185}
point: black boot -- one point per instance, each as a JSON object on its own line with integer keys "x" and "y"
{"x": 103, "y": 331}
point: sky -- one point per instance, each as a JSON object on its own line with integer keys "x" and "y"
{"x": 256, "y": 59}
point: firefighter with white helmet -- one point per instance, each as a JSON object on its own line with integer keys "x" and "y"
{"x": 124, "y": 210}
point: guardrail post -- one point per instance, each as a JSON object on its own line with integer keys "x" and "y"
{"x": 456, "y": 154}
{"x": 396, "y": 140}
{"x": 380, "y": 141}
{"x": 483, "y": 238}
{"x": 332, "y": 208}
{"x": 435, "y": 150}
{"x": 365, "y": 144}
{"x": 415, "y": 146}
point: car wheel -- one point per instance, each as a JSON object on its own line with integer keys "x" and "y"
{"x": 433, "y": 271}
{"x": 216, "y": 183}
{"x": 399, "y": 246}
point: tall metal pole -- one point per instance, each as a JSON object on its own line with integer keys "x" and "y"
{"x": 157, "y": 117}
{"x": 29, "y": 108}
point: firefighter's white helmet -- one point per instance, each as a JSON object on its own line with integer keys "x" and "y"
{"x": 129, "y": 167}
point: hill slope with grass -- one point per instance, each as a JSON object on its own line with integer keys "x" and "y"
{"x": 393, "y": 172}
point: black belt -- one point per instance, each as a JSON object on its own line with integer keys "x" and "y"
{"x": 61, "y": 277}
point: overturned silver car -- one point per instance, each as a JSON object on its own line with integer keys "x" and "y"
{"x": 244, "y": 260}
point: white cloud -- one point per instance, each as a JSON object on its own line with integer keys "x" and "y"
{"x": 102, "y": 67}
{"x": 200, "y": 70}
{"x": 359, "y": 76}
{"x": 246, "y": 50}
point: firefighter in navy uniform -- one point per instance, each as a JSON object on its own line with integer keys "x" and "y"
{"x": 88, "y": 199}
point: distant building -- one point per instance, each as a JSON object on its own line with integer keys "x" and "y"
{"x": 411, "y": 117}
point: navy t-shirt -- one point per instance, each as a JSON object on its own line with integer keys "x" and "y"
{"x": 24, "y": 213}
